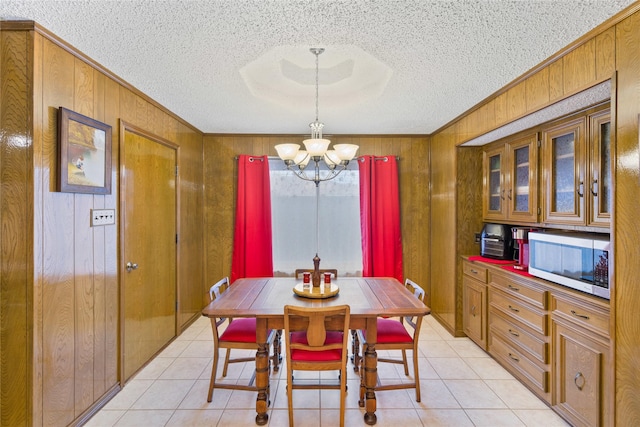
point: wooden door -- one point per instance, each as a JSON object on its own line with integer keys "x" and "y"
{"x": 148, "y": 224}
{"x": 563, "y": 173}
{"x": 600, "y": 162}
{"x": 522, "y": 179}
{"x": 493, "y": 183}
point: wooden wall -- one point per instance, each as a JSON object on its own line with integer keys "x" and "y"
{"x": 60, "y": 298}
{"x": 220, "y": 187}
{"x": 610, "y": 48}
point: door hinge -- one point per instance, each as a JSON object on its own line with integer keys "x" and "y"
{"x": 176, "y": 239}
{"x": 539, "y": 143}
{"x": 177, "y": 170}
{"x": 539, "y": 211}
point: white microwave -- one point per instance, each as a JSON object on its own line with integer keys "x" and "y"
{"x": 576, "y": 260}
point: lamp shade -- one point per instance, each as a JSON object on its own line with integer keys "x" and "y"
{"x": 287, "y": 151}
{"x": 316, "y": 146}
{"x": 346, "y": 151}
{"x": 302, "y": 158}
{"x": 331, "y": 158}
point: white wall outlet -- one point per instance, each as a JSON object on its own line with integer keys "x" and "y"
{"x": 103, "y": 217}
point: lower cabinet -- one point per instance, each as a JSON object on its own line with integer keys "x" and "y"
{"x": 553, "y": 339}
{"x": 474, "y": 303}
{"x": 582, "y": 364}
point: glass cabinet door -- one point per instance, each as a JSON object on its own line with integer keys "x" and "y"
{"x": 563, "y": 151}
{"x": 600, "y": 189}
{"x": 522, "y": 193}
{"x": 493, "y": 205}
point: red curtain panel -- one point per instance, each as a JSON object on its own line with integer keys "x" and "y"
{"x": 380, "y": 217}
{"x": 252, "y": 251}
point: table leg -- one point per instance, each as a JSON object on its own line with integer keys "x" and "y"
{"x": 370, "y": 372}
{"x": 262, "y": 372}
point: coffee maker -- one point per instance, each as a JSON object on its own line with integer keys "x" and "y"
{"x": 520, "y": 235}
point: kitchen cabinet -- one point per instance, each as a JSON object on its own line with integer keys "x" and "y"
{"x": 576, "y": 171}
{"x": 510, "y": 182}
{"x": 474, "y": 290}
{"x": 519, "y": 329}
{"x": 582, "y": 387}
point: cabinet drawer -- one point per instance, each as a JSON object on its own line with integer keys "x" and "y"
{"x": 519, "y": 310}
{"x": 523, "y": 368}
{"x": 521, "y": 288}
{"x": 595, "y": 319}
{"x": 511, "y": 332}
{"x": 475, "y": 270}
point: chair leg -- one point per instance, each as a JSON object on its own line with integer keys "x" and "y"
{"x": 277, "y": 358}
{"x": 404, "y": 361}
{"x": 416, "y": 374}
{"x": 226, "y": 363}
{"x": 355, "y": 350}
{"x": 343, "y": 393}
{"x": 214, "y": 370}
{"x": 290, "y": 395}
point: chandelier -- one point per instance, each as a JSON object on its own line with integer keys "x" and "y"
{"x": 316, "y": 149}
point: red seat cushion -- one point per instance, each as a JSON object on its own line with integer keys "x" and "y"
{"x": 300, "y": 337}
{"x": 392, "y": 331}
{"x": 240, "y": 330}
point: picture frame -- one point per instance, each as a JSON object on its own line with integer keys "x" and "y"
{"x": 84, "y": 154}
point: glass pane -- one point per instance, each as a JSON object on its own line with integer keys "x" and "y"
{"x": 604, "y": 187}
{"x": 563, "y": 174}
{"x": 494, "y": 183}
{"x": 521, "y": 179}
{"x": 293, "y": 217}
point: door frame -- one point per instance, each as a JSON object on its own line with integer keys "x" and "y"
{"x": 129, "y": 127}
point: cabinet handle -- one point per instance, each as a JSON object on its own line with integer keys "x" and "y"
{"x": 473, "y": 311}
{"x": 515, "y": 358}
{"x": 474, "y": 271}
{"x": 509, "y": 196}
{"x": 594, "y": 187}
{"x": 582, "y": 316}
{"x": 514, "y": 333}
{"x": 513, "y": 288}
{"x": 580, "y": 189}
{"x": 502, "y": 197}
{"x": 578, "y": 377}
{"x": 517, "y": 310}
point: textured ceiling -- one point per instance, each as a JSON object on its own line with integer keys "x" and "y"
{"x": 390, "y": 66}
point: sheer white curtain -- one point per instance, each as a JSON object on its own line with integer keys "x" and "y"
{"x": 293, "y": 215}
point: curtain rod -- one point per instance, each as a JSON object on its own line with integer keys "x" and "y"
{"x": 278, "y": 158}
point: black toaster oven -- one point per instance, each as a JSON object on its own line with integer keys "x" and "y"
{"x": 496, "y": 241}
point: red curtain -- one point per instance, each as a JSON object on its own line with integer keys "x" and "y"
{"x": 380, "y": 217}
{"x": 252, "y": 252}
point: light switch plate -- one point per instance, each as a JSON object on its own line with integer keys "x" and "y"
{"x": 103, "y": 217}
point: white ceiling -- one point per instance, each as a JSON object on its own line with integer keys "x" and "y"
{"x": 390, "y": 66}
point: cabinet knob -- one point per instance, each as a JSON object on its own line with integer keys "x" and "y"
{"x": 581, "y": 379}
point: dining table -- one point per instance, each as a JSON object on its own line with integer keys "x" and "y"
{"x": 264, "y": 298}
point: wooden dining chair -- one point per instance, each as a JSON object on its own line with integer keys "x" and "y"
{"x": 316, "y": 340}
{"x": 240, "y": 333}
{"x": 393, "y": 335}
{"x": 333, "y": 271}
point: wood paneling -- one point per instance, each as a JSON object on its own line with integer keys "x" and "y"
{"x": 580, "y": 65}
{"x": 626, "y": 292}
{"x": 220, "y": 176}
{"x": 62, "y": 296}
{"x": 537, "y": 90}
{"x": 15, "y": 231}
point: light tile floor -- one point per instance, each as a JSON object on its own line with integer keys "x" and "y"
{"x": 460, "y": 384}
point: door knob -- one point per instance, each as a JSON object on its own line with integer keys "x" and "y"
{"x": 131, "y": 266}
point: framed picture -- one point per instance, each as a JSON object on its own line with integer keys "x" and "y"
{"x": 84, "y": 154}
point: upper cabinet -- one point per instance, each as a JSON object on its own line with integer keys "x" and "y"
{"x": 600, "y": 186}
{"x": 576, "y": 171}
{"x": 510, "y": 182}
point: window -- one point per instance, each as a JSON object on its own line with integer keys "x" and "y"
{"x": 293, "y": 216}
